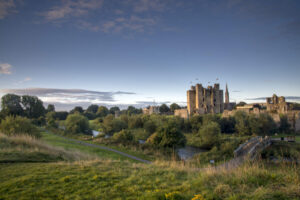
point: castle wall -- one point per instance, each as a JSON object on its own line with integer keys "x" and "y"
{"x": 191, "y": 101}
{"x": 181, "y": 113}
{"x": 205, "y": 100}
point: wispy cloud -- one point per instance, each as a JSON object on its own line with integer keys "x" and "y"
{"x": 149, "y": 5}
{"x": 7, "y": 7}
{"x": 71, "y": 8}
{"x": 23, "y": 81}
{"x": 5, "y": 68}
{"x": 68, "y": 96}
{"x": 290, "y": 98}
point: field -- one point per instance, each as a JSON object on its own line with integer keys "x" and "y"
{"x": 107, "y": 179}
{"x": 67, "y": 170}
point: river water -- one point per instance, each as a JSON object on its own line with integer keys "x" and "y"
{"x": 188, "y": 152}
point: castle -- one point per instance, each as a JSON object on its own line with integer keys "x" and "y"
{"x": 202, "y": 100}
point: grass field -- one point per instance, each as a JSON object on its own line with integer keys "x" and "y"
{"x": 124, "y": 180}
{"x": 104, "y": 175}
{"x": 69, "y": 145}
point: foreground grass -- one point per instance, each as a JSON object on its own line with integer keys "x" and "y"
{"x": 24, "y": 148}
{"x": 125, "y": 180}
{"x": 69, "y": 145}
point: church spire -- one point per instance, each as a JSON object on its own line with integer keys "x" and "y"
{"x": 226, "y": 95}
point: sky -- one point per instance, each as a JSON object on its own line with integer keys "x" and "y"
{"x": 145, "y": 52}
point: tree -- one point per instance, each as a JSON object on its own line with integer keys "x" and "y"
{"x": 164, "y": 108}
{"x": 266, "y": 124}
{"x": 284, "y": 126}
{"x": 77, "y": 109}
{"x": 227, "y": 124}
{"x": 18, "y": 125}
{"x": 135, "y": 122}
{"x": 33, "y": 107}
{"x": 132, "y": 110}
{"x": 123, "y": 136}
{"x": 114, "y": 109}
{"x": 168, "y": 136}
{"x": 50, "y": 108}
{"x": 174, "y": 106}
{"x": 11, "y": 105}
{"x": 61, "y": 115}
{"x": 76, "y": 123}
{"x": 150, "y": 126}
{"x": 50, "y": 119}
{"x": 102, "y": 111}
{"x": 242, "y": 123}
{"x": 92, "y": 108}
{"x": 112, "y": 125}
{"x": 209, "y": 134}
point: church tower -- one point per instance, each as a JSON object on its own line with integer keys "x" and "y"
{"x": 226, "y": 95}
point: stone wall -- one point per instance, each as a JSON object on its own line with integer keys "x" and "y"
{"x": 181, "y": 113}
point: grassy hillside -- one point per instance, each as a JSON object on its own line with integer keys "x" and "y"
{"x": 124, "y": 180}
{"x": 24, "y": 148}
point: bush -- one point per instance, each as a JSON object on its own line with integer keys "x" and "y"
{"x": 18, "y": 125}
{"x": 123, "y": 136}
{"x": 209, "y": 134}
{"x": 112, "y": 125}
{"x": 77, "y": 123}
{"x": 150, "y": 127}
{"x": 168, "y": 136}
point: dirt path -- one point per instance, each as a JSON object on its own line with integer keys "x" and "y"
{"x": 102, "y": 147}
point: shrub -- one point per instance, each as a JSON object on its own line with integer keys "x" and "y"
{"x": 123, "y": 136}
{"x": 77, "y": 123}
{"x": 168, "y": 136}
{"x": 112, "y": 125}
{"x": 18, "y": 125}
{"x": 209, "y": 134}
{"x": 150, "y": 126}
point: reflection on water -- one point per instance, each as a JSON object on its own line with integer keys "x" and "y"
{"x": 142, "y": 141}
{"x": 188, "y": 152}
{"x": 95, "y": 133}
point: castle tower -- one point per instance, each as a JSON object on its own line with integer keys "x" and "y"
{"x": 226, "y": 95}
{"x": 191, "y": 100}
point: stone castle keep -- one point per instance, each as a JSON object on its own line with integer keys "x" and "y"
{"x": 202, "y": 100}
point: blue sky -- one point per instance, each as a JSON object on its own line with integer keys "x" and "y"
{"x": 121, "y": 52}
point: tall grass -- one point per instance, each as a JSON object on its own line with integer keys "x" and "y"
{"x": 20, "y": 148}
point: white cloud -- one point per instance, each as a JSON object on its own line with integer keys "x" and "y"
{"x": 71, "y": 8}
{"x": 6, "y": 7}
{"x": 5, "y": 68}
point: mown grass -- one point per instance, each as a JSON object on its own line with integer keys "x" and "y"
{"x": 59, "y": 141}
{"x": 24, "y": 148}
{"x": 125, "y": 180}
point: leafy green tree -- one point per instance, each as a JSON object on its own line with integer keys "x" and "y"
{"x": 50, "y": 108}
{"x": 102, "y": 111}
{"x": 227, "y": 124}
{"x": 18, "y": 125}
{"x": 267, "y": 124}
{"x": 174, "y": 106}
{"x": 50, "y": 119}
{"x": 92, "y": 108}
{"x": 132, "y": 110}
{"x": 164, "y": 108}
{"x": 123, "y": 136}
{"x": 195, "y": 122}
{"x": 89, "y": 115}
{"x": 168, "y": 136}
{"x": 33, "y": 107}
{"x": 61, "y": 115}
{"x": 114, "y": 109}
{"x": 242, "y": 125}
{"x": 11, "y": 105}
{"x": 77, "y": 123}
{"x": 135, "y": 122}
{"x": 150, "y": 126}
{"x": 284, "y": 126}
{"x": 77, "y": 109}
{"x": 209, "y": 134}
{"x": 112, "y": 125}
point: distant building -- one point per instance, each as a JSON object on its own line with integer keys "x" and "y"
{"x": 151, "y": 110}
{"x": 181, "y": 113}
{"x": 228, "y": 105}
{"x": 202, "y": 100}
